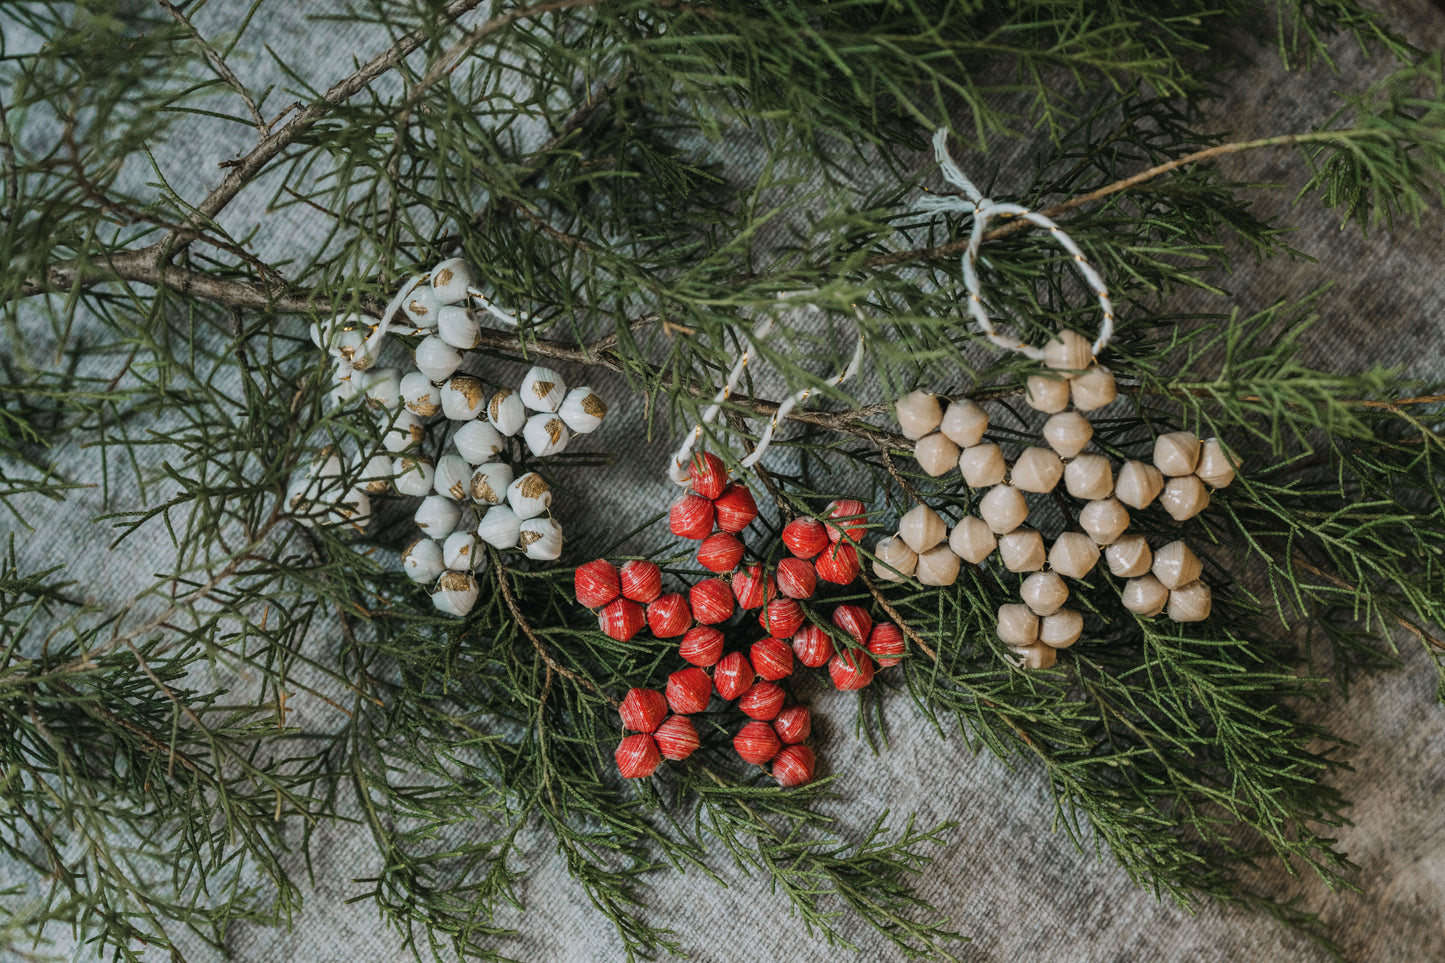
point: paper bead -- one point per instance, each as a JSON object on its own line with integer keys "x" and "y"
{"x": 1061, "y": 629}
{"x": 637, "y": 756}
{"x": 812, "y": 646}
{"x": 422, "y": 561}
{"x": 797, "y": 578}
{"x": 382, "y": 387}
{"x": 421, "y": 306}
{"x": 640, "y": 581}
{"x": 1139, "y": 484}
{"x": 1049, "y": 395}
{"x": 1037, "y": 470}
{"x": 642, "y": 710}
{"x": 937, "y": 566}
{"x": 720, "y": 552}
{"x": 436, "y": 359}
{"x": 350, "y": 346}
{"x": 456, "y": 326}
{"x": 450, "y": 280}
{"x": 402, "y": 430}
{"x": 735, "y": 508}
{"x": 1068, "y": 433}
{"x": 506, "y": 412}
{"x": 851, "y": 670}
{"x": 805, "y": 537}
{"x": 1038, "y": 656}
{"x": 453, "y": 477}
{"x": 1094, "y": 388}
{"x": 772, "y": 659}
{"x": 583, "y": 410}
{"x": 707, "y": 475}
{"x": 676, "y": 738}
{"x": 982, "y": 465}
{"x": 489, "y": 483}
{"x": 782, "y": 617}
{"x": 1176, "y": 453}
{"x": 885, "y": 643}
{"x": 1044, "y": 593}
{"x": 838, "y": 564}
{"x": 711, "y": 600}
{"x": 921, "y": 528}
{"x": 702, "y": 645}
{"x": 455, "y": 593}
{"x": 689, "y": 690}
{"x": 438, "y": 515}
{"x": 846, "y": 519}
{"x": 376, "y": 475}
{"x": 793, "y": 725}
{"x": 412, "y": 474}
{"x": 1104, "y": 520}
{"x": 1130, "y": 556}
{"x": 854, "y": 621}
{"x": 1017, "y": 625}
{"x": 1089, "y": 477}
{"x": 732, "y": 676}
{"x": 668, "y": 616}
{"x": 1184, "y": 497}
{"x": 1021, "y": 550}
{"x": 1216, "y": 466}
{"x": 936, "y": 454}
{"x": 478, "y": 442}
{"x": 1191, "y": 602}
{"x": 542, "y": 389}
{"x": 545, "y": 434}
{"x": 762, "y": 701}
{"x": 1068, "y": 351}
{"x": 501, "y": 528}
{"x": 1003, "y": 508}
{"x": 894, "y": 561}
{"x": 595, "y": 583}
{"x": 458, "y": 551}
{"x": 1176, "y": 564}
{"x": 1144, "y": 596}
{"x": 541, "y": 539}
{"x": 918, "y": 414}
{"x": 972, "y": 540}
{"x": 793, "y": 766}
{"x": 753, "y": 587}
{"x": 756, "y": 742}
{"x": 691, "y": 517}
{"x": 964, "y": 423}
{"x": 529, "y": 495}
{"x": 1073, "y": 555}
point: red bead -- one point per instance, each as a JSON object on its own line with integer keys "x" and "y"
{"x": 797, "y": 578}
{"x": 753, "y": 586}
{"x": 689, "y": 690}
{"x": 805, "y": 537}
{"x": 642, "y": 710}
{"x": 707, "y": 475}
{"x": 735, "y": 508}
{"x": 676, "y": 738}
{"x": 702, "y": 645}
{"x": 772, "y": 659}
{"x": 782, "y": 618}
{"x": 851, "y": 519}
{"x": 621, "y": 619}
{"x": 637, "y": 756}
{"x": 668, "y": 616}
{"x": 886, "y": 642}
{"x": 794, "y": 766}
{"x": 733, "y": 675}
{"x": 691, "y": 516}
{"x": 851, "y": 670}
{"x": 756, "y": 742}
{"x": 640, "y": 581}
{"x": 812, "y": 646}
{"x": 762, "y": 701}
{"x": 596, "y": 583}
{"x": 838, "y": 564}
{"x": 720, "y": 552}
{"x": 855, "y": 620}
{"x": 712, "y": 601}
{"x": 793, "y": 725}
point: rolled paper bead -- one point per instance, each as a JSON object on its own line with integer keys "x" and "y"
{"x": 1044, "y": 593}
{"x": 450, "y": 280}
{"x": 972, "y": 540}
{"x": 1176, "y": 453}
{"x": 1068, "y": 351}
{"x": 1139, "y": 484}
{"x": 937, "y": 566}
{"x": 918, "y": 413}
{"x": 500, "y": 527}
{"x": 1145, "y": 596}
{"x": 733, "y": 675}
{"x": 642, "y": 710}
{"x": 1089, "y": 477}
{"x": 935, "y": 453}
{"x": 805, "y": 537}
{"x": 1191, "y": 602}
{"x": 1094, "y": 388}
{"x": 702, "y": 645}
{"x": 712, "y": 601}
{"x": 794, "y": 766}
{"x": 772, "y": 659}
{"x": 459, "y": 551}
{"x": 595, "y": 583}
{"x": 436, "y": 359}
{"x": 1036, "y": 656}
{"x": 437, "y": 515}
{"x": 382, "y": 387}
{"x": 1176, "y": 564}
{"x": 797, "y": 579}
{"x": 640, "y": 580}
{"x": 838, "y": 564}
{"x": 688, "y": 690}
{"x": 668, "y": 616}
{"x": 1061, "y": 629}
{"x": 457, "y": 327}
{"x": 964, "y": 423}
{"x": 455, "y": 593}
{"x": 1068, "y": 433}
{"x": 541, "y": 539}
{"x": 720, "y": 552}
{"x": 478, "y": 442}
{"x": 421, "y": 306}
{"x": 762, "y": 701}
{"x": 854, "y": 621}
{"x": 529, "y": 495}
{"x": 782, "y": 617}
{"x": 756, "y": 742}
{"x": 543, "y": 389}
{"x": 707, "y": 475}
{"x": 1104, "y": 520}
{"x": 851, "y": 670}
{"x": 885, "y": 643}
{"x": 735, "y": 508}
{"x": 453, "y": 477}
{"x": 422, "y": 561}
{"x": 413, "y": 474}
{"x": 1130, "y": 556}
{"x": 982, "y": 466}
{"x": 350, "y": 346}
{"x": 1022, "y": 550}
{"x": 545, "y": 434}
{"x": 1049, "y": 395}
{"x": 753, "y": 587}
{"x": 489, "y": 483}
{"x": 506, "y": 412}
{"x": 583, "y": 410}
{"x": 1073, "y": 555}
{"x": 691, "y": 517}
{"x": 637, "y": 756}
{"x": 812, "y": 646}
{"x": 1184, "y": 497}
{"x": 921, "y": 528}
{"x": 893, "y": 560}
{"x": 1003, "y": 508}
{"x": 376, "y": 475}
{"x": 402, "y": 431}
{"x": 1216, "y": 466}
{"x": 1037, "y": 470}
{"x": 1017, "y": 625}
{"x": 847, "y": 519}
{"x": 676, "y": 738}
{"x": 793, "y": 724}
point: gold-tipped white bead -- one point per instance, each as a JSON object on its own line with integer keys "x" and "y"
{"x": 1073, "y": 555}
{"x": 1036, "y": 470}
{"x": 964, "y": 422}
{"x": 543, "y": 389}
{"x": 1130, "y": 556}
{"x": 936, "y": 453}
{"x": 545, "y": 434}
{"x": 540, "y": 539}
{"x": 437, "y": 515}
{"x": 490, "y": 482}
{"x": 529, "y": 495}
{"x": 921, "y": 528}
{"x": 1094, "y": 388}
{"x": 1139, "y": 484}
{"x": 450, "y": 280}
{"x": 1176, "y": 453}
{"x": 453, "y": 477}
{"x": 1068, "y": 351}
{"x": 463, "y": 398}
{"x": 420, "y": 396}
{"x": 1044, "y": 593}
{"x": 382, "y": 387}
{"x": 459, "y": 551}
{"x": 455, "y": 593}
{"x": 1017, "y": 625}
{"x": 402, "y": 430}
{"x": 500, "y": 527}
{"x": 1049, "y": 395}
{"x": 1068, "y": 433}
{"x": 1176, "y": 564}
{"x": 422, "y": 561}
{"x": 583, "y": 410}
{"x": 457, "y": 327}
{"x": 1003, "y": 508}
{"x": 1104, "y": 520}
{"x": 1089, "y": 477}
{"x": 1061, "y": 629}
{"x": 1216, "y": 465}
{"x": 893, "y": 560}
{"x": 1145, "y": 596}
{"x": 1038, "y": 656}
{"x": 972, "y": 540}
{"x": 982, "y": 465}
{"x": 376, "y": 475}
{"x": 918, "y": 413}
{"x": 1022, "y": 550}
{"x": 506, "y": 412}
{"x": 1184, "y": 497}
{"x": 478, "y": 442}
{"x": 1191, "y": 602}
{"x": 412, "y": 474}
{"x": 421, "y": 306}
{"x": 937, "y": 566}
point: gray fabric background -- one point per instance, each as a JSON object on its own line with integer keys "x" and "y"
{"x": 1019, "y": 888}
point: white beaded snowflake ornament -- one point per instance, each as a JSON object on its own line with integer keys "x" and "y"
{"x": 1184, "y": 470}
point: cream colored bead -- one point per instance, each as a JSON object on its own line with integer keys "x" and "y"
{"x": 972, "y": 540}
{"x": 1068, "y": 351}
{"x": 1130, "y": 556}
{"x": 1176, "y": 453}
{"x": 965, "y": 423}
{"x": 1061, "y": 629}
{"x": 1139, "y": 484}
{"x": 543, "y": 389}
{"x": 1049, "y": 395}
{"x": 529, "y": 495}
{"x": 921, "y": 528}
{"x": 1022, "y": 550}
{"x": 506, "y": 412}
{"x": 455, "y": 593}
{"x": 1176, "y": 564}
{"x": 918, "y": 413}
{"x": 893, "y": 560}
{"x": 1044, "y": 593}
{"x": 1105, "y": 520}
{"x": 452, "y": 478}
{"x": 1191, "y": 602}
{"x": 462, "y": 398}
{"x": 982, "y": 465}
{"x": 1094, "y": 388}
{"x": 1089, "y": 477}
{"x": 1003, "y": 508}
{"x": 1035, "y": 656}
{"x": 1068, "y": 433}
{"x": 937, "y": 566}
{"x": 1145, "y": 596}
{"x": 1216, "y": 466}
{"x": 1184, "y": 497}
{"x": 1073, "y": 555}
{"x": 1036, "y": 470}
{"x": 1017, "y": 625}
{"x": 490, "y": 482}
{"x": 936, "y": 453}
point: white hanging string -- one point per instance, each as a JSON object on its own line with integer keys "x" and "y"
{"x": 983, "y": 209}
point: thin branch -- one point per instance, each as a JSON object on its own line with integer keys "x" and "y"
{"x": 11, "y": 169}
{"x": 1414, "y": 628}
{"x": 218, "y": 64}
{"x": 503, "y": 580}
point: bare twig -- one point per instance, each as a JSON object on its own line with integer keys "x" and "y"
{"x": 504, "y": 580}
{"x": 218, "y": 64}
{"x": 11, "y": 169}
